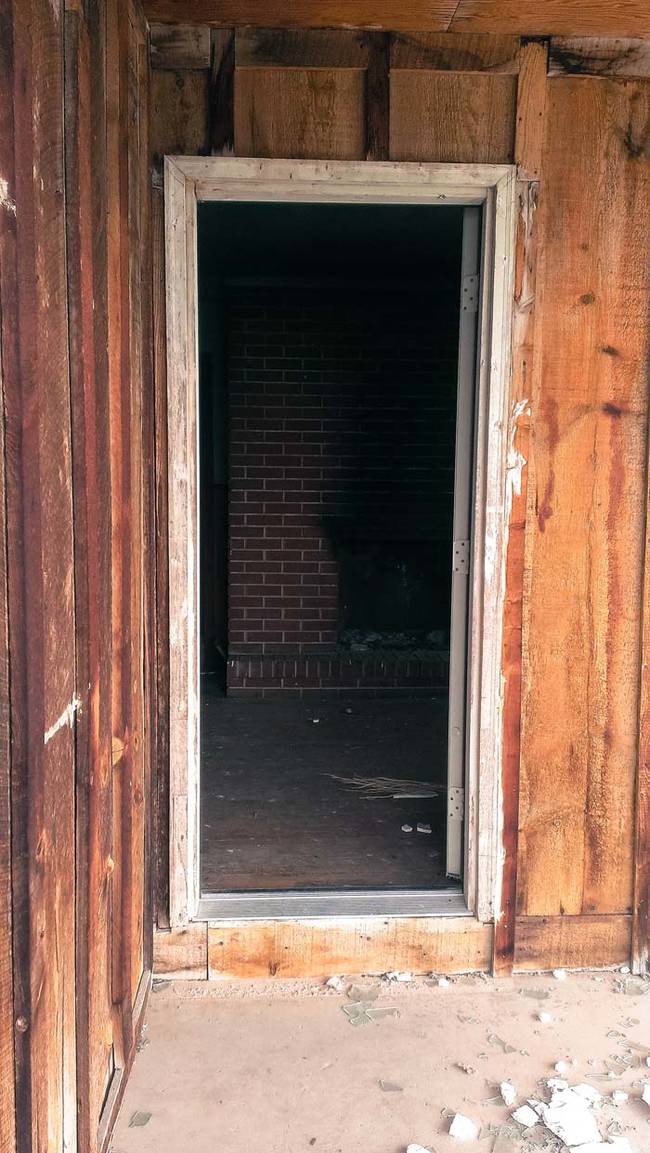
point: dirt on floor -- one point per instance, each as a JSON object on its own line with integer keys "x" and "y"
{"x": 287, "y": 1067}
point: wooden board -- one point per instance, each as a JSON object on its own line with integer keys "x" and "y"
{"x": 531, "y": 110}
{"x": 85, "y": 125}
{"x": 572, "y": 942}
{"x": 454, "y": 52}
{"x": 41, "y": 625}
{"x": 321, "y": 947}
{"x": 296, "y": 113}
{"x": 177, "y": 46}
{"x": 562, "y": 17}
{"x": 516, "y": 500}
{"x": 8, "y": 360}
{"x": 433, "y": 15}
{"x": 452, "y": 117}
{"x": 587, "y": 503}
{"x": 179, "y": 112}
{"x": 597, "y": 56}
{"x": 559, "y": 17}
{"x": 182, "y": 953}
{"x": 285, "y": 48}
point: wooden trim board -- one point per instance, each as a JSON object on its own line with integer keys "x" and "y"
{"x": 189, "y": 179}
{"x": 582, "y": 942}
{"x": 321, "y": 947}
{"x": 182, "y": 953}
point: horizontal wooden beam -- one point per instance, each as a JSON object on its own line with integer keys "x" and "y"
{"x": 321, "y": 947}
{"x": 630, "y": 18}
{"x": 582, "y": 942}
{"x": 374, "y": 15}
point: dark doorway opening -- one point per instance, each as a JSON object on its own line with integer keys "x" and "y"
{"x": 329, "y": 356}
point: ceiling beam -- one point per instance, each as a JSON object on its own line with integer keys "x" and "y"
{"x": 628, "y": 18}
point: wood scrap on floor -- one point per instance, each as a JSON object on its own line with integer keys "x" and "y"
{"x": 390, "y": 787}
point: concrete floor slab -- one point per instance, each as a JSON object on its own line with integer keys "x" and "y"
{"x": 276, "y": 1067}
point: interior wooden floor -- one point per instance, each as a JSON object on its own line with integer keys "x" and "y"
{"x": 273, "y": 817}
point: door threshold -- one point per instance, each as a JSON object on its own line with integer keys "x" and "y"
{"x": 291, "y": 904}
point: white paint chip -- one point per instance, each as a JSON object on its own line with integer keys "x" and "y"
{"x": 65, "y": 720}
{"x": 5, "y": 199}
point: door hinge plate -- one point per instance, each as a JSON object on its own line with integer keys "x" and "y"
{"x": 469, "y": 299}
{"x": 455, "y": 803}
{"x": 461, "y": 556}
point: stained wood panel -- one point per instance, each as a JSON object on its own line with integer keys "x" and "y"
{"x": 452, "y": 117}
{"x": 587, "y": 506}
{"x": 85, "y": 127}
{"x": 179, "y": 112}
{"x": 39, "y": 509}
{"x": 448, "y": 51}
{"x": 318, "y": 948}
{"x": 177, "y": 46}
{"x": 8, "y": 356}
{"x": 295, "y": 113}
{"x": 598, "y": 56}
{"x": 572, "y": 942}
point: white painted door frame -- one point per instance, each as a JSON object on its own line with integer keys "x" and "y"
{"x": 190, "y": 179}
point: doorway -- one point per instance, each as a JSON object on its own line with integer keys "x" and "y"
{"x": 364, "y": 555}
{"x": 336, "y": 433}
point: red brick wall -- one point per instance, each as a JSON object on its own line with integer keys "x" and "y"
{"x": 341, "y": 410}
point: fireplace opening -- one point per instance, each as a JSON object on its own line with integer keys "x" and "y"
{"x": 335, "y": 478}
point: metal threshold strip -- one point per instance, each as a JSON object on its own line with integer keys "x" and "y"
{"x": 292, "y": 904}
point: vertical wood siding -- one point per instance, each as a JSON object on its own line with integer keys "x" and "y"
{"x": 74, "y": 355}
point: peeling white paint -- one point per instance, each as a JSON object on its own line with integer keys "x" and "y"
{"x": 66, "y": 719}
{"x": 5, "y": 199}
{"x": 515, "y": 461}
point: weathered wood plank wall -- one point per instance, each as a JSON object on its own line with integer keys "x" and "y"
{"x": 75, "y": 305}
{"x": 575, "y": 122}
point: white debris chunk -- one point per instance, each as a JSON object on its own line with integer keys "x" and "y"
{"x": 508, "y": 1093}
{"x": 588, "y": 1093}
{"x": 545, "y": 1017}
{"x": 645, "y": 1095}
{"x": 561, "y": 1067}
{"x": 619, "y": 1096}
{"x": 417, "y": 1149}
{"x": 525, "y": 1116}
{"x": 398, "y": 975}
{"x": 407, "y": 828}
{"x": 559, "y": 974}
{"x": 463, "y": 1128}
{"x": 569, "y": 1117}
{"x": 443, "y": 982}
{"x": 337, "y": 983}
{"x": 423, "y": 827}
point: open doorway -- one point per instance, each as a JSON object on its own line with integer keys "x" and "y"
{"x": 337, "y": 359}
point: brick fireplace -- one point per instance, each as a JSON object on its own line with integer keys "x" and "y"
{"x": 341, "y": 418}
